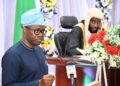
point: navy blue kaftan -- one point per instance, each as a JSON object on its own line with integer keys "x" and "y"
{"x": 22, "y": 66}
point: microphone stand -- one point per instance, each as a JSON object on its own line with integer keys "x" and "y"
{"x": 72, "y": 79}
{"x": 71, "y": 71}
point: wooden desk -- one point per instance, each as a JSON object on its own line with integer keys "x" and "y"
{"x": 61, "y": 76}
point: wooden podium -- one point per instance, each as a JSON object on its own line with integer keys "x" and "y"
{"x": 61, "y": 75}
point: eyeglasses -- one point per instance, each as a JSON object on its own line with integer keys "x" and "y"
{"x": 37, "y": 32}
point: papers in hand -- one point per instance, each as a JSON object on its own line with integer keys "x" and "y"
{"x": 83, "y": 56}
{"x": 82, "y": 51}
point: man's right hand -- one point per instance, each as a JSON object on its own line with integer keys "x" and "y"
{"x": 47, "y": 80}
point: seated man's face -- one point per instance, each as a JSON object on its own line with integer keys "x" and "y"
{"x": 94, "y": 25}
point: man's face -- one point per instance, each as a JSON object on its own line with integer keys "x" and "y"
{"x": 94, "y": 25}
{"x": 35, "y": 34}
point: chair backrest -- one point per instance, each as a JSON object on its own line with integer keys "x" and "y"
{"x": 60, "y": 38}
{"x": 68, "y": 22}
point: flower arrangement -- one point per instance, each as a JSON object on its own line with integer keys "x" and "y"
{"x": 105, "y": 46}
{"x": 112, "y": 41}
{"x": 105, "y": 6}
{"x": 48, "y": 43}
{"x": 48, "y": 8}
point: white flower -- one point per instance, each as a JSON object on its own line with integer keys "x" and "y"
{"x": 96, "y": 54}
{"x": 113, "y": 64}
{"x": 111, "y": 61}
{"x": 104, "y": 56}
{"x": 95, "y": 44}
